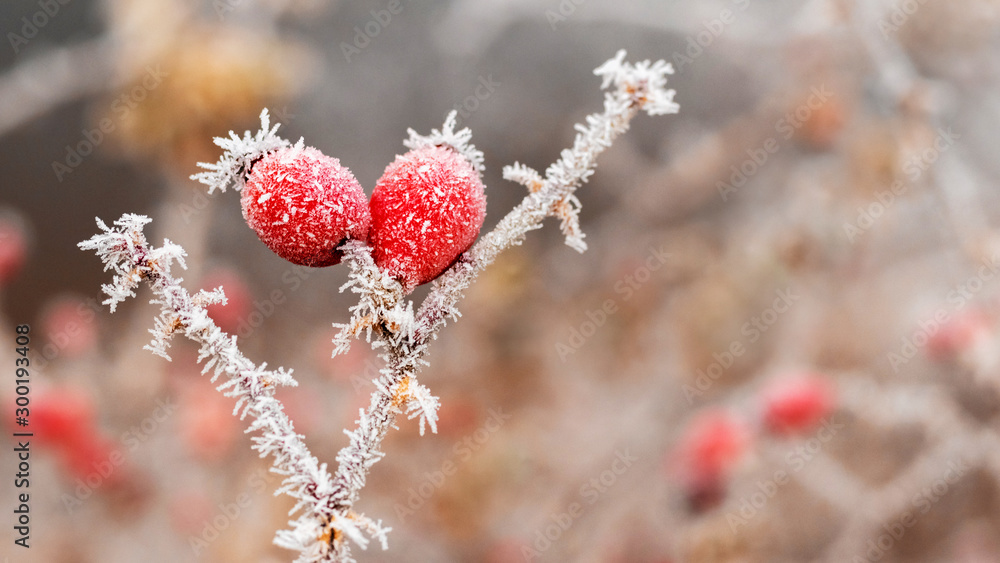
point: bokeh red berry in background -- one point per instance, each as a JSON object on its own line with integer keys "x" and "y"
{"x": 796, "y": 404}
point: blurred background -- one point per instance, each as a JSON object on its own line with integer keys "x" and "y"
{"x": 782, "y": 344}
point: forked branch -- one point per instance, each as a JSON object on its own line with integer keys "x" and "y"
{"x": 326, "y": 517}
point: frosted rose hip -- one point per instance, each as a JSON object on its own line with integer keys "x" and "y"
{"x": 427, "y": 208}
{"x": 304, "y": 204}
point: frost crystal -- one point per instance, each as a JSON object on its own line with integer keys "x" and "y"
{"x": 421, "y": 404}
{"x": 644, "y": 83}
{"x": 239, "y": 156}
{"x": 460, "y": 140}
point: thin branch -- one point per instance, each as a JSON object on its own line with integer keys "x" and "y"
{"x": 125, "y": 250}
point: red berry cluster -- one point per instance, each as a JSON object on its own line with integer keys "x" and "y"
{"x": 716, "y": 440}
{"x": 426, "y": 209}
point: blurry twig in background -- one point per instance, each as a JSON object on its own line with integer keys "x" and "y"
{"x": 56, "y": 77}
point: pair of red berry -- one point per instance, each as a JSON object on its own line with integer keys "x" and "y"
{"x": 426, "y": 209}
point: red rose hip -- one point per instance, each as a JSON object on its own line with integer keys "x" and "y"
{"x": 13, "y": 249}
{"x": 798, "y": 404}
{"x": 427, "y": 209}
{"x": 708, "y": 451}
{"x": 303, "y": 205}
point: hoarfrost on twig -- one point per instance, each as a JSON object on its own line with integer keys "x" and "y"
{"x": 239, "y": 155}
{"x": 124, "y": 249}
{"x": 324, "y": 501}
{"x": 460, "y": 140}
